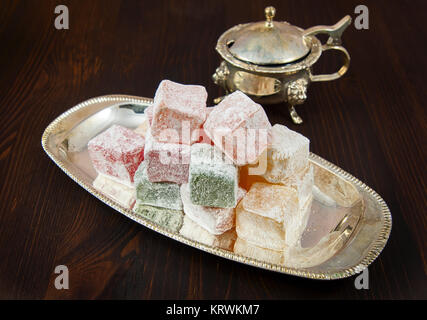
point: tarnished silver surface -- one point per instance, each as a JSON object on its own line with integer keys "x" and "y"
{"x": 348, "y": 227}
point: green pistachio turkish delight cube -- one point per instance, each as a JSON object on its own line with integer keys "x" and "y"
{"x": 159, "y": 194}
{"x": 168, "y": 218}
{"x": 213, "y": 179}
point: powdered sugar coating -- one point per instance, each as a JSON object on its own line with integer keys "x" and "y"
{"x": 239, "y": 127}
{"x": 287, "y": 155}
{"x": 259, "y": 230}
{"x": 149, "y": 113}
{"x": 192, "y": 230}
{"x": 159, "y": 194}
{"x": 250, "y": 250}
{"x": 214, "y": 220}
{"x": 272, "y": 201}
{"x": 166, "y": 161}
{"x": 213, "y": 181}
{"x": 232, "y": 112}
{"x": 123, "y": 194}
{"x": 200, "y": 135}
{"x": 168, "y": 218}
{"x": 117, "y": 152}
{"x": 267, "y": 203}
{"x": 178, "y": 108}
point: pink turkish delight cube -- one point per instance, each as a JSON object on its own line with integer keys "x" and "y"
{"x": 177, "y": 111}
{"x": 149, "y": 113}
{"x": 166, "y": 161}
{"x": 240, "y": 128}
{"x": 117, "y": 152}
{"x": 199, "y": 135}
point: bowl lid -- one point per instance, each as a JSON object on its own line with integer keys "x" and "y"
{"x": 268, "y": 42}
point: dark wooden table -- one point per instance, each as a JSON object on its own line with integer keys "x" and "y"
{"x": 372, "y": 123}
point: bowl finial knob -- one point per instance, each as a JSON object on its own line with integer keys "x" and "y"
{"x": 270, "y": 12}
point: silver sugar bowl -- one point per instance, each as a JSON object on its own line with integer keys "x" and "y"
{"x": 271, "y": 61}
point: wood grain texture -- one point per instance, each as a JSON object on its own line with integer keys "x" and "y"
{"x": 372, "y": 123}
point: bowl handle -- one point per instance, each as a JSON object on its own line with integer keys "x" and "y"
{"x": 333, "y": 43}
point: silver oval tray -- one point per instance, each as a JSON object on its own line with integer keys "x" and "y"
{"x": 341, "y": 239}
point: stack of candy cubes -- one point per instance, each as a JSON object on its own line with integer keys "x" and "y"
{"x": 272, "y": 216}
{"x": 222, "y": 175}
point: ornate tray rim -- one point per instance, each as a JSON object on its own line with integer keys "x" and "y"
{"x": 375, "y": 249}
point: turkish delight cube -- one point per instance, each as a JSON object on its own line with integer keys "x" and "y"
{"x": 178, "y": 110}
{"x": 193, "y": 231}
{"x": 119, "y": 192}
{"x": 168, "y": 218}
{"x": 159, "y": 194}
{"x": 239, "y": 127}
{"x": 166, "y": 161}
{"x": 214, "y": 220}
{"x": 302, "y": 182}
{"x": 117, "y": 152}
{"x": 287, "y": 155}
{"x": 213, "y": 181}
{"x": 250, "y": 250}
{"x": 281, "y": 204}
{"x": 271, "y": 201}
{"x": 258, "y": 230}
